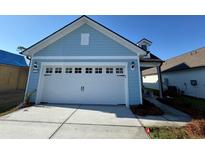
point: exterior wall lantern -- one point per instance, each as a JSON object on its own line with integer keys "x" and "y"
{"x": 132, "y": 65}
{"x": 35, "y": 67}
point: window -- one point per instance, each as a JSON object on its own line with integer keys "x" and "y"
{"x": 119, "y": 70}
{"x": 109, "y": 70}
{"x": 49, "y": 70}
{"x": 78, "y": 70}
{"x": 88, "y": 70}
{"x": 85, "y": 39}
{"x": 58, "y": 70}
{"x": 68, "y": 70}
{"x": 98, "y": 70}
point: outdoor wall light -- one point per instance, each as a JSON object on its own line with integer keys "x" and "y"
{"x": 35, "y": 67}
{"x": 132, "y": 65}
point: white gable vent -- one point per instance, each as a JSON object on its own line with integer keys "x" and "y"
{"x": 85, "y": 38}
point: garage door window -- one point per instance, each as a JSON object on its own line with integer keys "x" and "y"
{"x": 49, "y": 70}
{"x": 58, "y": 70}
{"x": 119, "y": 70}
{"x": 68, "y": 70}
{"x": 78, "y": 70}
{"x": 109, "y": 70}
{"x": 98, "y": 70}
{"x": 88, "y": 70}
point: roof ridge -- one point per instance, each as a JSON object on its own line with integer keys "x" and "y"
{"x": 185, "y": 53}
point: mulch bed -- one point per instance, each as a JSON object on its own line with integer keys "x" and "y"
{"x": 146, "y": 108}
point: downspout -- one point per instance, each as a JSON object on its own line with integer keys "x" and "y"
{"x": 160, "y": 80}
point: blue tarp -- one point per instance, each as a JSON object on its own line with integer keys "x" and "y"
{"x": 11, "y": 59}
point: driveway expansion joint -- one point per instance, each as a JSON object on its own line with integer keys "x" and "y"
{"x": 64, "y": 122}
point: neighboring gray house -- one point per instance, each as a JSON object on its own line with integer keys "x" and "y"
{"x": 186, "y": 72}
{"x": 87, "y": 63}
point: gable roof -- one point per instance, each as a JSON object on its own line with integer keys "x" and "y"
{"x": 144, "y": 39}
{"x": 76, "y": 24}
{"x": 190, "y": 60}
{"x": 11, "y": 59}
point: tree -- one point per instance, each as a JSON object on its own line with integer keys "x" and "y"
{"x": 20, "y": 48}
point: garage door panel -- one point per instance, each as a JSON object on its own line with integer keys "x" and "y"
{"x": 90, "y": 86}
{"x": 106, "y": 89}
{"x": 58, "y": 88}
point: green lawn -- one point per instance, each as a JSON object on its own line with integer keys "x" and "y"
{"x": 168, "y": 133}
{"x": 192, "y": 106}
{"x": 190, "y": 103}
{"x": 10, "y": 100}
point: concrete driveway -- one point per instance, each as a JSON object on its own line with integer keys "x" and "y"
{"x": 66, "y": 121}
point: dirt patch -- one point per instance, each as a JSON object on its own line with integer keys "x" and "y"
{"x": 146, "y": 108}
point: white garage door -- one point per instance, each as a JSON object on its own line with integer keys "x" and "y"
{"x": 69, "y": 84}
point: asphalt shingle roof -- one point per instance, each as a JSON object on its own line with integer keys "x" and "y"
{"x": 189, "y": 60}
{"x": 12, "y": 59}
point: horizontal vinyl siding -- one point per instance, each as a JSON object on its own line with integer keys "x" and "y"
{"x": 133, "y": 80}
{"x": 133, "y": 83}
{"x": 99, "y": 45}
{"x": 33, "y": 82}
{"x": 181, "y": 79}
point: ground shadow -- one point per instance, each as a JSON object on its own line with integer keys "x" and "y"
{"x": 121, "y": 111}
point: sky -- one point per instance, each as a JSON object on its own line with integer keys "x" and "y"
{"x": 171, "y": 35}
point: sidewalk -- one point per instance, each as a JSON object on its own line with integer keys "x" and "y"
{"x": 171, "y": 117}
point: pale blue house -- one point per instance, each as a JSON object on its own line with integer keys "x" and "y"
{"x": 87, "y": 63}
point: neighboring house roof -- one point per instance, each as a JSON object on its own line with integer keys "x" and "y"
{"x": 76, "y": 24}
{"x": 11, "y": 59}
{"x": 190, "y": 60}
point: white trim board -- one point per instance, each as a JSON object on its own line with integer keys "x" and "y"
{"x": 40, "y": 81}
{"x": 84, "y": 63}
{"x": 150, "y": 64}
{"x": 28, "y": 79}
{"x": 73, "y": 26}
{"x": 84, "y": 57}
{"x": 140, "y": 82}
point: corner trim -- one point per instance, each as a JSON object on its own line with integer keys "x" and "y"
{"x": 140, "y": 85}
{"x": 28, "y": 79}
